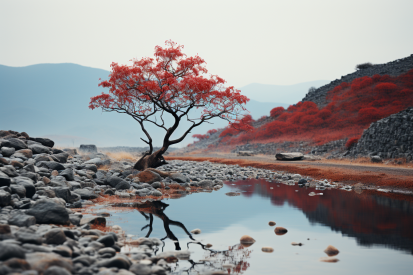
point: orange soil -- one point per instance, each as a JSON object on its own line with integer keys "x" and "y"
{"x": 369, "y": 175}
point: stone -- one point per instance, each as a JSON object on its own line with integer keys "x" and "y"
{"x": 47, "y": 212}
{"x": 296, "y": 244}
{"x": 75, "y": 219}
{"x": 4, "y": 180}
{"x": 156, "y": 184}
{"x": 16, "y": 164}
{"x": 331, "y": 251}
{"x": 44, "y": 141}
{"x": 9, "y": 170}
{"x": 26, "y": 237}
{"x": 117, "y": 261}
{"x": 267, "y": 249}
{"x": 107, "y": 250}
{"x": 271, "y": 223}
{"x": 196, "y": 231}
{"x": 68, "y": 174}
{"x": 88, "y": 148}
{"x": 4, "y": 161}
{"x": 26, "y": 152}
{"x": 141, "y": 269}
{"x": 5, "y": 229}
{"x": 42, "y": 261}
{"x": 149, "y": 176}
{"x": 246, "y": 153}
{"x": 55, "y": 236}
{"x": 27, "y": 184}
{"x": 86, "y": 194}
{"x": 61, "y": 157}
{"x": 53, "y": 165}
{"x": 15, "y": 143}
{"x": 289, "y": 156}
{"x": 206, "y": 183}
{"x": 63, "y": 193}
{"x": 56, "y": 270}
{"x": 302, "y": 181}
{"x": 280, "y": 231}
{"x": 63, "y": 251}
{"x": 123, "y": 185}
{"x": 233, "y": 194}
{"x": 178, "y": 177}
{"x": 247, "y": 241}
{"x": 18, "y": 189}
{"x": 5, "y": 198}
{"x": 7, "y": 151}
{"x": 156, "y": 193}
{"x": 22, "y": 220}
{"x": 113, "y": 181}
{"x": 8, "y": 251}
{"x": 107, "y": 240}
{"x": 376, "y": 159}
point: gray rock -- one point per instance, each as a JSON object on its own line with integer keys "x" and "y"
{"x": 141, "y": 269}
{"x": 44, "y": 141}
{"x": 117, "y": 261}
{"x": 96, "y": 161}
{"x": 27, "y": 184}
{"x": 289, "y": 156}
{"x": 93, "y": 220}
{"x": 88, "y": 148}
{"x": 7, "y": 151}
{"x": 22, "y": 220}
{"x": 5, "y": 198}
{"x": 107, "y": 240}
{"x": 56, "y": 270}
{"x": 206, "y": 183}
{"x": 156, "y": 184}
{"x": 61, "y": 157}
{"x": 91, "y": 167}
{"x": 4, "y": 179}
{"x": 8, "y": 251}
{"x": 75, "y": 219}
{"x": 26, "y": 237}
{"x": 107, "y": 250}
{"x": 113, "y": 181}
{"x": 63, "y": 193}
{"x": 156, "y": 193}
{"x": 178, "y": 177}
{"x": 15, "y": 143}
{"x": 9, "y": 171}
{"x": 39, "y": 149}
{"x": 122, "y": 185}
{"x": 86, "y": 194}
{"x": 55, "y": 236}
{"x": 18, "y": 189}
{"x": 53, "y": 165}
{"x": 47, "y": 211}
{"x": 376, "y": 159}
{"x": 68, "y": 174}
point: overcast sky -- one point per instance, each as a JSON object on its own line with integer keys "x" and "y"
{"x": 269, "y": 42}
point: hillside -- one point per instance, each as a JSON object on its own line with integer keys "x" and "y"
{"x": 51, "y": 100}
{"x": 334, "y": 116}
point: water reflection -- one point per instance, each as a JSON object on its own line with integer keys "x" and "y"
{"x": 370, "y": 217}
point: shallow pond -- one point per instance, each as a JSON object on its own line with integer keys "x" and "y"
{"x": 372, "y": 231}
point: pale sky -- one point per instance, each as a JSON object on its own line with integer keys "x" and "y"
{"x": 269, "y": 42}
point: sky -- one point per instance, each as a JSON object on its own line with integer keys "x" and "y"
{"x": 268, "y": 42}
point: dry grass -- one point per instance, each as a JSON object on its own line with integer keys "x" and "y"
{"x": 119, "y": 156}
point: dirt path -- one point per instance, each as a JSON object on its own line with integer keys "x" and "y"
{"x": 378, "y": 175}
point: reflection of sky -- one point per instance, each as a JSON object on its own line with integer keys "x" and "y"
{"x": 223, "y": 220}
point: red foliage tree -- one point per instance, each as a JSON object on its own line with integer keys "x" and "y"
{"x": 200, "y": 137}
{"x": 212, "y": 131}
{"x": 171, "y": 84}
{"x": 351, "y": 142}
{"x": 277, "y": 111}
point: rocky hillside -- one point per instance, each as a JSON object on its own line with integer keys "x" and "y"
{"x": 394, "y": 68}
{"x": 390, "y": 137}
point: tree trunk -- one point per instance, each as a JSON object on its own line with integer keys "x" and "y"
{"x": 153, "y": 160}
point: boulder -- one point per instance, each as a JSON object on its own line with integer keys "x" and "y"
{"x": 4, "y": 179}
{"x": 51, "y": 165}
{"x": 7, "y": 151}
{"x": 289, "y": 156}
{"x": 27, "y": 183}
{"x": 88, "y": 148}
{"x": 48, "y": 211}
{"x": 55, "y": 236}
{"x": 86, "y": 194}
{"x": 61, "y": 157}
{"x": 376, "y": 159}
{"x": 18, "y": 189}
{"x": 178, "y": 177}
{"x": 70, "y": 151}
{"x": 8, "y": 251}
{"x": 68, "y": 174}
{"x": 63, "y": 193}
{"x": 123, "y": 185}
{"x": 5, "y": 198}
{"x": 44, "y": 141}
{"x": 9, "y": 170}
{"x": 280, "y": 231}
{"x": 39, "y": 149}
{"x": 14, "y": 143}
{"x": 27, "y": 237}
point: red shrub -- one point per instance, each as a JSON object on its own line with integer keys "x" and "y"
{"x": 277, "y": 111}
{"x": 351, "y": 142}
{"x": 212, "y": 131}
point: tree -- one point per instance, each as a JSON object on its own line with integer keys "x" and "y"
{"x": 170, "y": 84}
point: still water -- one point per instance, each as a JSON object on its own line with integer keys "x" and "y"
{"x": 372, "y": 231}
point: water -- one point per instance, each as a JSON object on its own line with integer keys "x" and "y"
{"x": 372, "y": 231}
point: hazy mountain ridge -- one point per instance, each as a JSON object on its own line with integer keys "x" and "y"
{"x": 52, "y": 100}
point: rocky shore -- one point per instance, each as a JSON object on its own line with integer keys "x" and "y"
{"x": 43, "y": 188}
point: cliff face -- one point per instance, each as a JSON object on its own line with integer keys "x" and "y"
{"x": 394, "y": 68}
{"x": 390, "y": 137}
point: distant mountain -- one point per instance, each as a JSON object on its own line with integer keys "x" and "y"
{"x": 286, "y": 94}
{"x": 52, "y": 100}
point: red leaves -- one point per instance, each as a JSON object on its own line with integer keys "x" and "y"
{"x": 352, "y": 108}
{"x": 200, "y": 137}
{"x": 351, "y": 142}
